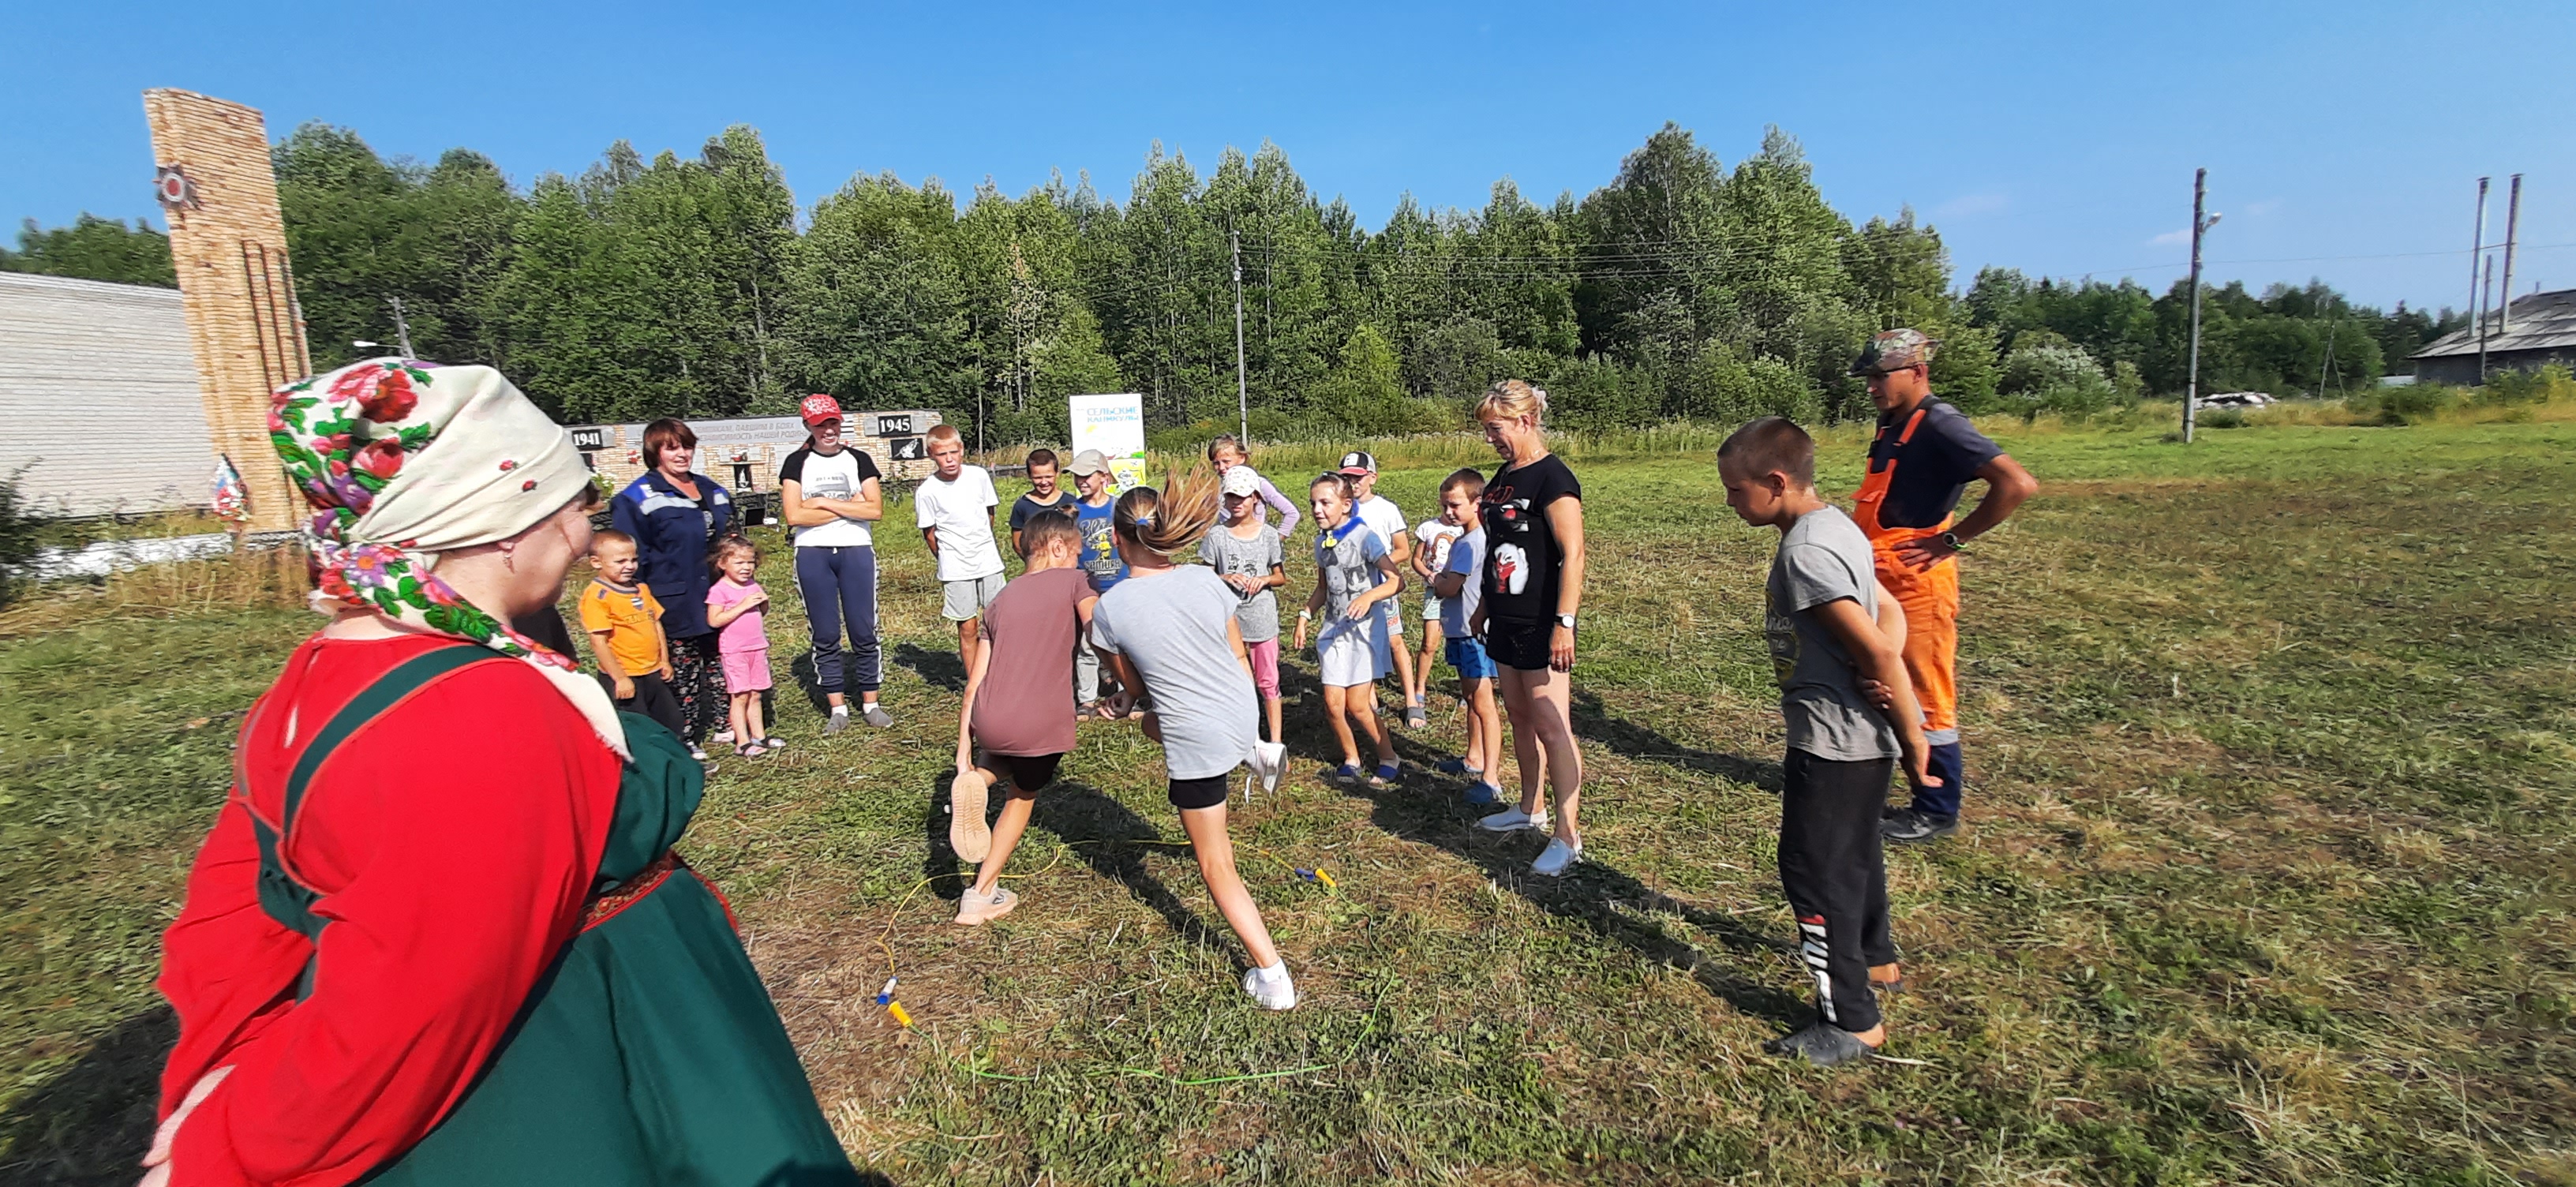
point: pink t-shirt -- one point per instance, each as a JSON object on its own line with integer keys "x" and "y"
{"x": 744, "y": 633}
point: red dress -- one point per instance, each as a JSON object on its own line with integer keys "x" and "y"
{"x": 453, "y": 871}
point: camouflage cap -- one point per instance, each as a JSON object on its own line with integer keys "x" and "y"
{"x": 1895, "y": 350}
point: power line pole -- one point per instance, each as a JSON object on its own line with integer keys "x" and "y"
{"x": 402, "y": 329}
{"x": 2191, "y": 384}
{"x": 2478, "y": 251}
{"x": 1242, "y": 398}
{"x": 2483, "y": 286}
{"x": 2512, "y": 223}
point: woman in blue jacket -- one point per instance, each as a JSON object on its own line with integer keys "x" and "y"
{"x": 674, "y": 514}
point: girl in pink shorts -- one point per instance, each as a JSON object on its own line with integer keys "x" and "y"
{"x": 734, "y": 605}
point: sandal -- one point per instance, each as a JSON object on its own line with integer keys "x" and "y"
{"x": 1387, "y": 773}
{"x": 774, "y": 744}
{"x": 1348, "y": 772}
{"x": 748, "y": 750}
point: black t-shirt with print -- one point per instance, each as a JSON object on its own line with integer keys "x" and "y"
{"x": 1522, "y": 557}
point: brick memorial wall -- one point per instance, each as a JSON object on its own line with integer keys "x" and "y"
{"x": 228, "y": 241}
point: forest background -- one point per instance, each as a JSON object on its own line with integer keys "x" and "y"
{"x": 1680, "y": 290}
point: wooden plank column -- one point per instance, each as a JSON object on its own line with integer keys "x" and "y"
{"x": 228, "y": 242}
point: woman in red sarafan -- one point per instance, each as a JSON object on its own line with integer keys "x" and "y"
{"x": 437, "y": 934}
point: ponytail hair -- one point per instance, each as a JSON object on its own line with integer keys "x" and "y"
{"x": 1171, "y": 521}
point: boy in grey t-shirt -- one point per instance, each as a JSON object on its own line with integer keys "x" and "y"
{"x": 1822, "y": 620}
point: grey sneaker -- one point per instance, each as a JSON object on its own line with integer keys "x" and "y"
{"x": 1822, "y": 1044}
{"x": 878, "y": 717}
{"x": 1908, "y": 827}
{"x": 838, "y": 721}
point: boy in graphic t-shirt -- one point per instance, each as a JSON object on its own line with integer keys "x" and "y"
{"x": 1831, "y": 628}
{"x": 1095, "y": 513}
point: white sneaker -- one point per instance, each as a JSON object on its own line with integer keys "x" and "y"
{"x": 722, "y": 737}
{"x": 1269, "y": 761}
{"x": 1553, "y": 860}
{"x": 1512, "y": 820}
{"x": 974, "y": 910}
{"x": 1271, "y": 987}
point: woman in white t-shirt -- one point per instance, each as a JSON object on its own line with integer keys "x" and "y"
{"x": 830, "y": 493}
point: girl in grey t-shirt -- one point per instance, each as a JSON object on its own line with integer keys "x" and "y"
{"x": 1170, "y": 630}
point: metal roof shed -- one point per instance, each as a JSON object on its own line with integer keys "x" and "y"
{"x": 2541, "y": 330}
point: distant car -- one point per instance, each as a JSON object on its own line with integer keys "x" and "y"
{"x": 2237, "y": 400}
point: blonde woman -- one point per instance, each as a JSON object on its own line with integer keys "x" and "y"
{"x": 1532, "y": 588}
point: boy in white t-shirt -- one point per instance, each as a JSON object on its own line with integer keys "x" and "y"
{"x": 1456, "y": 584}
{"x": 1384, "y": 518}
{"x": 1431, "y": 543}
{"x": 954, "y": 509}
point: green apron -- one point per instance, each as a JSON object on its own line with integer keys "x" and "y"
{"x": 650, "y": 1052}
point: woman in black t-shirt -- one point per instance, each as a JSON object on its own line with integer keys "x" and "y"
{"x": 1532, "y": 586}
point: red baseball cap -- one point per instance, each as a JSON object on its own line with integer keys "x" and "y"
{"x": 818, "y": 408}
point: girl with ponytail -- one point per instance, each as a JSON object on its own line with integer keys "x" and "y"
{"x": 1169, "y": 629}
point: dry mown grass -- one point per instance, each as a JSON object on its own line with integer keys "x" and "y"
{"x": 2266, "y": 878}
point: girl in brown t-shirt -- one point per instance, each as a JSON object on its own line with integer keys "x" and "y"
{"x": 1018, "y": 706}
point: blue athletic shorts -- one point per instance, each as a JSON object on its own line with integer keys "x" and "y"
{"x": 1468, "y": 656}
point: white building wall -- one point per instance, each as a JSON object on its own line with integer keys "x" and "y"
{"x": 99, "y": 400}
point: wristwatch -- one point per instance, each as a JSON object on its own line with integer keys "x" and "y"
{"x": 1566, "y": 621}
{"x": 1952, "y": 541}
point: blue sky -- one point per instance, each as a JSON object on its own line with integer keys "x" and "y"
{"x": 2343, "y": 140}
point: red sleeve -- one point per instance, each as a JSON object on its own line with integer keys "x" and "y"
{"x": 226, "y": 967}
{"x": 479, "y": 808}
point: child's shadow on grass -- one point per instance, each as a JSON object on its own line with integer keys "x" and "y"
{"x": 1431, "y": 809}
{"x": 1103, "y": 833}
{"x": 1593, "y": 723}
{"x": 942, "y": 668}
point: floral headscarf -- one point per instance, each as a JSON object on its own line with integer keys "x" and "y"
{"x": 402, "y": 460}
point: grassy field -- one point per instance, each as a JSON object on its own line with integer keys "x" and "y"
{"x": 2267, "y": 876}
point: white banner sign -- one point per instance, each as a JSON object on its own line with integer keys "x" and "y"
{"x": 1114, "y": 425}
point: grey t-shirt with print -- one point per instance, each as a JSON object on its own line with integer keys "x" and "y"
{"x": 1172, "y": 627}
{"x": 1347, "y": 558}
{"x": 1823, "y": 558}
{"x": 1232, "y": 555}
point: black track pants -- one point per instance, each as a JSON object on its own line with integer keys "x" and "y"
{"x": 1835, "y": 874}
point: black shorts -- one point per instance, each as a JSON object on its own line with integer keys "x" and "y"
{"x": 1522, "y": 645}
{"x": 1200, "y": 793}
{"x": 1029, "y": 772}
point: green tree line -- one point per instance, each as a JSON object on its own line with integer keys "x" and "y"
{"x": 1680, "y": 289}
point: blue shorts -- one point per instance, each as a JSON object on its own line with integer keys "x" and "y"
{"x": 1468, "y": 656}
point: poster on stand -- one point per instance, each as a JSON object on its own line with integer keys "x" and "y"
{"x": 1114, "y": 425}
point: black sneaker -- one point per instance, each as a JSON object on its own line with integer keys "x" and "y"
{"x": 1909, "y": 827}
{"x": 1823, "y": 1045}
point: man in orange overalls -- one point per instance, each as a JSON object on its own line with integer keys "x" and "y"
{"x": 1921, "y": 461}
